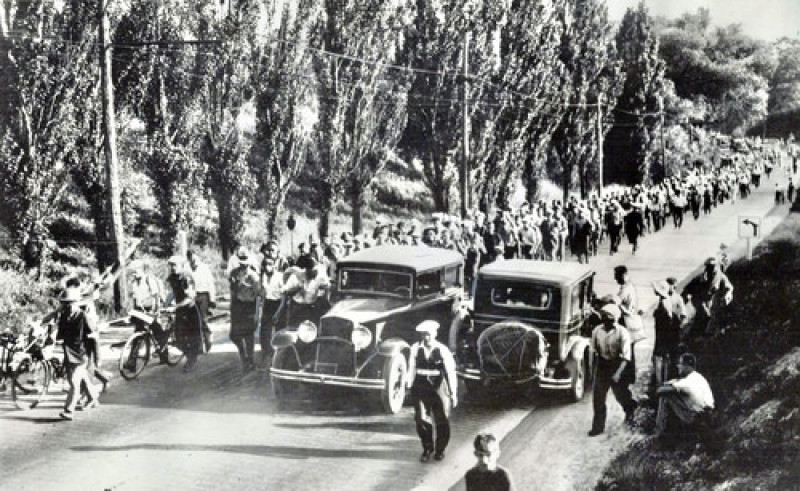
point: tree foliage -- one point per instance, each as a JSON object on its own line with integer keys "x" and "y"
{"x": 47, "y": 74}
{"x": 434, "y": 45}
{"x": 631, "y": 143}
{"x": 531, "y": 86}
{"x": 719, "y": 66}
{"x": 286, "y": 107}
{"x": 160, "y": 84}
{"x": 361, "y": 100}
{"x": 589, "y": 54}
{"x": 226, "y": 86}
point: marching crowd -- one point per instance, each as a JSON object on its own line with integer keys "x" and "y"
{"x": 269, "y": 290}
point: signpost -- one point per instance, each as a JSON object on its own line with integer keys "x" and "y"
{"x": 749, "y": 228}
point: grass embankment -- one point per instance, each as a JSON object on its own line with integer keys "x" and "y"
{"x": 754, "y": 371}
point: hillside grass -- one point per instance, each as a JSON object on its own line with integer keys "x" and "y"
{"x": 754, "y": 371}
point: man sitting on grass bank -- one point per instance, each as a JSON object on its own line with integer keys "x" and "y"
{"x": 684, "y": 399}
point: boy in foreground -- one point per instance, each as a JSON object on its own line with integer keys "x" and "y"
{"x": 487, "y": 475}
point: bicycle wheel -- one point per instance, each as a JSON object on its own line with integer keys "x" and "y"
{"x": 135, "y": 355}
{"x": 30, "y": 383}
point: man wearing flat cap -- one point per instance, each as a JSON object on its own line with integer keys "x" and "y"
{"x": 710, "y": 292}
{"x": 611, "y": 344}
{"x": 433, "y": 383}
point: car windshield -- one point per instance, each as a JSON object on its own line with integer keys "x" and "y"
{"x": 528, "y": 296}
{"x": 375, "y": 281}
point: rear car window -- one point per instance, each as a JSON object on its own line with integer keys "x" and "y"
{"x": 526, "y": 296}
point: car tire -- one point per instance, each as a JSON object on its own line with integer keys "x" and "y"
{"x": 395, "y": 370}
{"x": 474, "y": 387}
{"x": 579, "y": 375}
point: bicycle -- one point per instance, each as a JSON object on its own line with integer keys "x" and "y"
{"x": 145, "y": 343}
{"x": 26, "y": 362}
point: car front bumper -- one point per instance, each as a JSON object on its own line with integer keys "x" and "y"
{"x": 542, "y": 381}
{"x": 326, "y": 379}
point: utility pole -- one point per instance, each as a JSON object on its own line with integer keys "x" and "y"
{"x": 110, "y": 149}
{"x": 663, "y": 149}
{"x": 599, "y": 124}
{"x": 465, "y": 152}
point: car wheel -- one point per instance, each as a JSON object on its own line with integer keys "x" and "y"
{"x": 282, "y": 389}
{"x": 394, "y": 389}
{"x": 474, "y": 387}
{"x": 579, "y": 375}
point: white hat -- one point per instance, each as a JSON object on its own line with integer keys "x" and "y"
{"x": 611, "y": 310}
{"x": 70, "y": 295}
{"x": 175, "y": 259}
{"x": 661, "y": 288}
{"x": 428, "y": 326}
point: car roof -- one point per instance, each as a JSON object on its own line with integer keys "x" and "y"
{"x": 561, "y": 273}
{"x": 419, "y": 258}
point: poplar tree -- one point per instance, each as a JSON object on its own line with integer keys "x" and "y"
{"x": 631, "y": 143}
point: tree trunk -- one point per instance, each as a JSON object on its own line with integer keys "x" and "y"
{"x": 582, "y": 179}
{"x": 326, "y": 208}
{"x": 357, "y": 204}
{"x": 225, "y": 225}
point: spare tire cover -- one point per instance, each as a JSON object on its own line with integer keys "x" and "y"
{"x": 512, "y": 348}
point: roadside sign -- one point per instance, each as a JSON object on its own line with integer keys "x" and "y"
{"x": 749, "y": 227}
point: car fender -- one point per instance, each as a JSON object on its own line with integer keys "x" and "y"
{"x": 388, "y": 347}
{"x": 577, "y": 347}
{"x": 462, "y": 317}
{"x": 284, "y": 338}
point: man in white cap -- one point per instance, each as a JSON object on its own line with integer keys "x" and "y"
{"x": 612, "y": 346}
{"x": 433, "y": 383}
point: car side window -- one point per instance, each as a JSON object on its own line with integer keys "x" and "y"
{"x": 428, "y": 283}
{"x": 452, "y": 276}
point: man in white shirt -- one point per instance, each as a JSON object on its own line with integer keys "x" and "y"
{"x": 612, "y": 346}
{"x": 684, "y": 398}
{"x": 205, "y": 291}
{"x": 433, "y": 383}
{"x": 272, "y": 306}
{"x": 305, "y": 287}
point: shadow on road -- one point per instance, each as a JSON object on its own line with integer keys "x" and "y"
{"x": 399, "y": 427}
{"x": 303, "y": 453}
{"x": 29, "y": 419}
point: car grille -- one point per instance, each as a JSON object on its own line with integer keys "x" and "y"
{"x": 334, "y": 357}
{"x": 335, "y": 327}
{"x": 509, "y": 350}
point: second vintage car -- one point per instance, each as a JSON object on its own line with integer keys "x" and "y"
{"x": 528, "y": 324}
{"x": 364, "y": 340}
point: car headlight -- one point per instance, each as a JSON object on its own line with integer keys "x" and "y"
{"x": 307, "y": 331}
{"x": 361, "y": 337}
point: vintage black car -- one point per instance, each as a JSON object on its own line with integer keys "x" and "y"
{"x": 363, "y": 341}
{"x": 528, "y": 324}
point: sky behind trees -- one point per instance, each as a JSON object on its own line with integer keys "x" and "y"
{"x": 762, "y": 19}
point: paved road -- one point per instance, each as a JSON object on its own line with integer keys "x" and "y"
{"x": 214, "y": 429}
